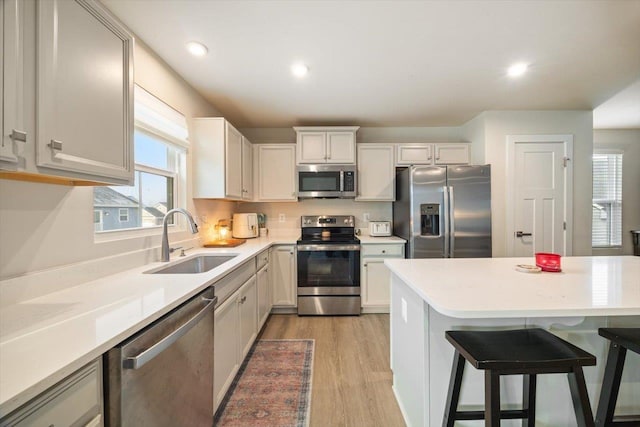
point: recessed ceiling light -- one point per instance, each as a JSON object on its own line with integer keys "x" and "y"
{"x": 197, "y": 49}
{"x": 516, "y": 70}
{"x": 299, "y": 70}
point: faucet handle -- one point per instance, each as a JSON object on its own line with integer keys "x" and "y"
{"x": 172, "y": 250}
{"x": 183, "y": 250}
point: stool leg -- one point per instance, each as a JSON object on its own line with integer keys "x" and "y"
{"x": 491, "y": 399}
{"x": 610, "y": 385}
{"x": 529, "y": 399}
{"x": 454, "y": 390}
{"x": 580, "y": 398}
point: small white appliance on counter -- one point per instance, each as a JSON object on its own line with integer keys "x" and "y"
{"x": 245, "y": 225}
{"x": 379, "y": 228}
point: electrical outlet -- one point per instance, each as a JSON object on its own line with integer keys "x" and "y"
{"x": 366, "y": 217}
{"x": 281, "y": 218}
{"x": 404, "y": 310}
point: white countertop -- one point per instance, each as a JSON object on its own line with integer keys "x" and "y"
{"x": 365, "y": 239}
{"x": 492, "y": 288}
{"x": 44, "y": 339}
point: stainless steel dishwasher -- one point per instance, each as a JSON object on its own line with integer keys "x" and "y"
{"x": 163, "y": 375}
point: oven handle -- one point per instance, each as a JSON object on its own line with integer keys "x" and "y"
{"x": 319, "y": 248}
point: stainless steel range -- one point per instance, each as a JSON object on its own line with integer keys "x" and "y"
{"x": 328, "y": 266}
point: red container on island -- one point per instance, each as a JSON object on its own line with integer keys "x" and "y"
{"x": 548, "y": 262}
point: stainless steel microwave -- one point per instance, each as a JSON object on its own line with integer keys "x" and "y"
{"x": 327, "y": 181}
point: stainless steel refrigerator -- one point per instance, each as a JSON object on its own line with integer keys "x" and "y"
{"x": 444, "y": 211}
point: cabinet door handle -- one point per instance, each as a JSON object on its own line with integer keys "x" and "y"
{"x": 55, "y": 144}
{"x": 384, "y": 251}
{"x": 365, "y": 265}
{"x": 18, "y": 135}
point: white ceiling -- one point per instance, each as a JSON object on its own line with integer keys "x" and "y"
{"x": 392, "y": 63}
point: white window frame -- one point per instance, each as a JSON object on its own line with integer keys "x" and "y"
{"x": 177, "y": 158}
{"x": 605, "y": 152}
{"x": 126, "y": 213}
{"x": 100, "y": 219}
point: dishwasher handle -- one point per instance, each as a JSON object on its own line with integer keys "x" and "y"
{"x": 141, "y": 359}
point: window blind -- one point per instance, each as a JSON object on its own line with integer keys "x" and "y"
{"x": 607, "y": 200}
{"x": 153, "y": 115}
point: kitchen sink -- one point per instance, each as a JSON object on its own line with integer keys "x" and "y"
{"x": 197, "y": 264}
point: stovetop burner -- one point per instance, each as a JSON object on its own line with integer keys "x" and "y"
{"x": 328, "y": 229}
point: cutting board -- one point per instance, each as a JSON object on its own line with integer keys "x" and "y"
{"x": 227, "y": 243}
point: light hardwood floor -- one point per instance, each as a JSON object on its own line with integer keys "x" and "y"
{"x": 351, "y": 375}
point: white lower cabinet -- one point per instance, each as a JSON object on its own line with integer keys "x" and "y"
{"x": 75, "y": 401}
{"x": 226, "y": 361}
{"x": 284, "y": 276}
{"x": 248, "y": 312}
{"x": 236, "y": 328}
{"x": 375, "y": 278}
{"x": 264, "y": 295}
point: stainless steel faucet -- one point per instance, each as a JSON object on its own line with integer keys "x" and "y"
{"x": 165, "y": 235}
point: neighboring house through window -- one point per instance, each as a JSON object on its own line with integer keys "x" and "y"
{"x": 607, "y": 200}
{"x": 160, "y": 142}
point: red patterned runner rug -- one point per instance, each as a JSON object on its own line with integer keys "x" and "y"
{"x": 272, "y": 387}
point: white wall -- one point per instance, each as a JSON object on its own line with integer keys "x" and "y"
{"x": 627, "y": 141}
{"x": 474, "y": 131}
{"x": 499, "y": 124}
{"x": 44, "y": 226}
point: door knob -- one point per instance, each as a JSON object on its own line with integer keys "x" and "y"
{"x": 521, "y": 234}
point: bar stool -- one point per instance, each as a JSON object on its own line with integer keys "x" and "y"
{"x": 526, "y": 352}
{"x": 622, "y": 339}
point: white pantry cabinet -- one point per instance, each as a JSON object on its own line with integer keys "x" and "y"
{"x": 284, "y": 276}
{"x": 326, "y": 144}
{"x": 275, "y": 178}
{"x": 221, "y": 161}
{"x": 455, "y": 153}
{"x": 75, "y": 401}
{"x": 83, "y": 106}
{"x": 375, "y": 277}
{"x": 376, "y": 172}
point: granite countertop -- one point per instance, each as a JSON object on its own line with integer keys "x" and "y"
{"x": 492, "y": 288}
{"x": 45, "y": 339}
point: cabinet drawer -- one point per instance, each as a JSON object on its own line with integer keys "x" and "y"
{"x": 232, "y": 281}
{"x": 76, "y": 401}
{"x": 262, "y": 259}
{"x": 382, "y": 250}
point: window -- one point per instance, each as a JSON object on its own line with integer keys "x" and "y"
{"x": 97, "y": 220}
{"x": 159, "y": 149}
{"x": 123, "y": 215}
{"x": 607, "y": 200}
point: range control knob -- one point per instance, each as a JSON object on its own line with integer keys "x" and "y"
{"x": 346, "y": 221}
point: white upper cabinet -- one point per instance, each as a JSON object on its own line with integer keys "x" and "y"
{"x": 376, "y": 172}
{"x": 222, "y": 161}
{"x": 275, "y": 179}
{"x": 455, "y": 153}
{"x": 85, "y": 91}
{"x": 452, "y": 154}
{"x": 415, "y": 154}
{"x": 233, "y": 162}
{"x": 67, "y": 108}
{"x": 11, "y": 81}
{"x": 247, "y": 169}
{"x": 326, "y": 144}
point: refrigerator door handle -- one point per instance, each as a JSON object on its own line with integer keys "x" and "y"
{"x": 445, "y": 216}
{"x": 452, "y": 224}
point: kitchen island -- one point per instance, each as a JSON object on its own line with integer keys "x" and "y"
{"x": 431, "y": 296}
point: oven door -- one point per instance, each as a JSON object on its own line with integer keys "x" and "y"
{"x": 328, "y": 269}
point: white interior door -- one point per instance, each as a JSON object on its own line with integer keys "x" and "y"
{"x": 541, "y": 194}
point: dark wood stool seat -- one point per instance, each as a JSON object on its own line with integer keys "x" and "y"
{"x": 622, "y": 339}
{"x": 526, "y": 352}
